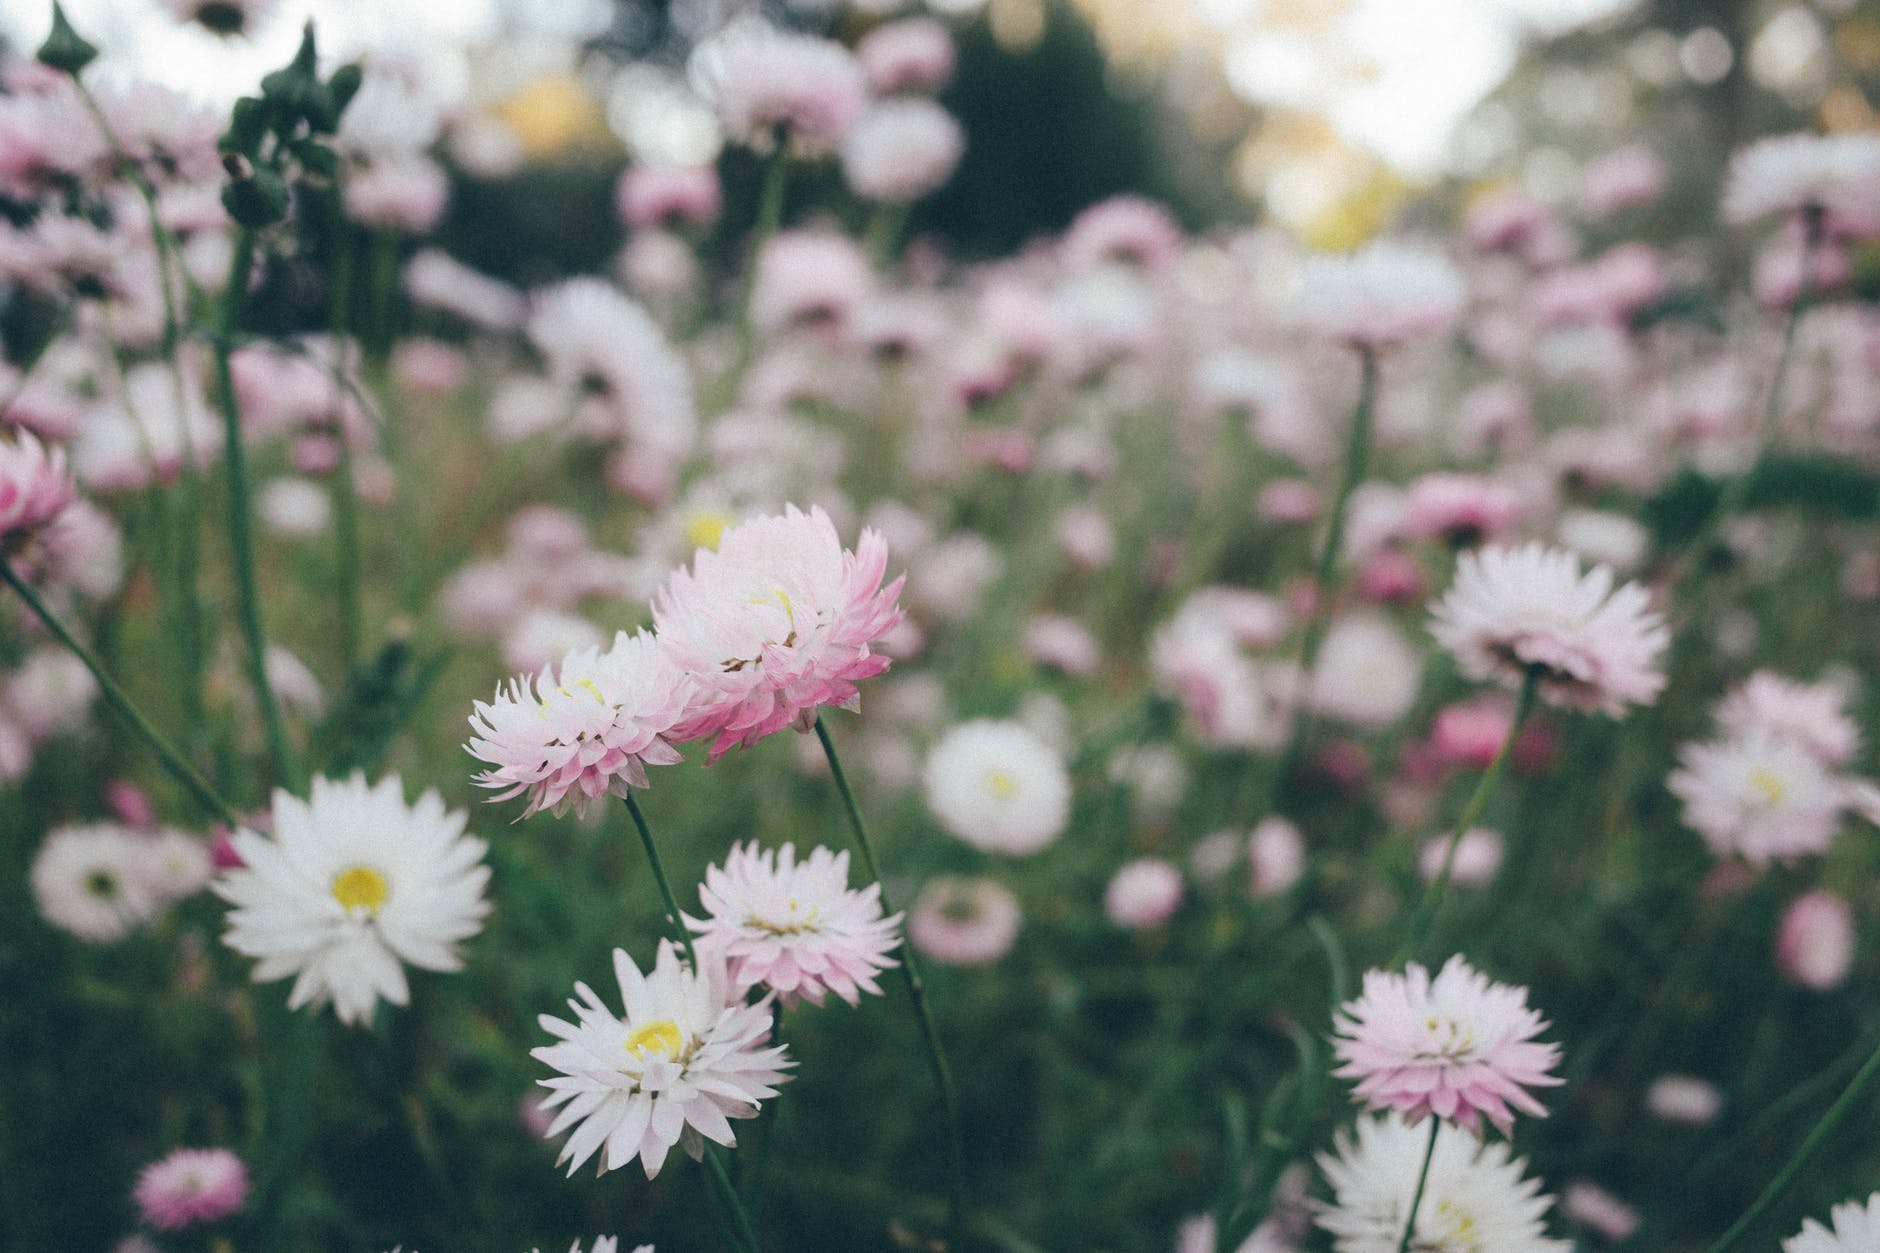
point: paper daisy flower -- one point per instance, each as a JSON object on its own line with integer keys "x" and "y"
{"x": 92, "y": 881}
{"x": 1810, "y": 714}
{"x": 1457, "y": 1046}
{"x": 1512, "y": 612}
{"x": 795, "y": 927}
{"x": 1790, "y": 173}
{"x": 352, "y": 884}
{"x": 998, "y": 787}
{"x": 35, "y": 487}
{"x": 1475, "y": 1199}
{"x": 779, "y": 621}
{"x": 766, "y": 83}
{"x": 1855, "y": 1228}
{"x": 683, "y": 1060}
{"x": 191, "y": 1186}
{"x": 965, "y": 922}
{"x": 1759, "y": 796}
{"x": 1384, "y": 295}
{"x": 585, "y": 730}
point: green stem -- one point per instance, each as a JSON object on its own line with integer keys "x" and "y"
{"x": 884, "y": 232}
{"x": 916, "y": 991}
{"x": 1438, "y": 890}
{"x": 1423, "y": 1179}
{"x": 1843, "y": 1105}
{"x": 120, "y": 700}
{"x": 659, "y": 875}
{"x": 769, "y": 220}
{"x": 732, "y": 1217}
{"x": 240, "y": 523}
{"x": 345, "y": 491}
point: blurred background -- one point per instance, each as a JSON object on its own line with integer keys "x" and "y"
{"x": 1328, "y": 116}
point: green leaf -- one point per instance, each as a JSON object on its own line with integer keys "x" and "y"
{"x": 65, "y": 49}
{"x": 257, "y": 201}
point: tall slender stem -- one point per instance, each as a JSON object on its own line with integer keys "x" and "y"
{"x": 345, "y": 491}
{"x": 1423, "y": 1179}
{"x": 1438, "y": 890}
{"x": 240, "y": 523}
{"x": 120, "y": 700}
{"x": 916, "y": 991}
{"x": 659, "y": 876}
{"x": 1837, "y": 1112}
{"x": 737, "y": 1223}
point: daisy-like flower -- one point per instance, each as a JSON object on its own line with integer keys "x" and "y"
{"x": 1383, "y": 296}
{"x": 1810, "y": 714}
{"x": 1457, "y": 1046}
{"x": 35, "y": 488}
{"x": 998, "y": 786}
{"x": 191, "y": 1186}
{"x": 1475, "y": 1198}
{"x": 1512, "y": 612}
{"x": 1854, "y": 1228}
{"x": 965, "y": 922}
{"x": 766, "y": 83}
{"x": 584, "y": 730}
{"x": 1759, "y": 796}
{"x": 795, "y": 927}
{"x": 353, "y": 883}
{"x": 684, "y": 1060}
{"x": 1792, "y": 173}
{"x": 778, "y": 622}
{"x": 901, "y": 150}
{"x": 91, "y": 881}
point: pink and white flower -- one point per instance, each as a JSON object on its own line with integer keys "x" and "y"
{"x": 191, "y": 1186}
{"x": 35, "y": 487}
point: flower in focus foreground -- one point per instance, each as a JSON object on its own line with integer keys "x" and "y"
{"x": 191, "y": 1186}
{"x": 1458, "y": 1046}
{"x": 775, "y": 624}
{"x": 586, "y": 731}
{"x": 795, "y": 927}
{"x": 1856, "y": 1228}
{"x": 352, "y": 883}
{"x": 683, "y": 1061}
{"x": 1475, "y": 1198}
{"x": 1514, "y": 612}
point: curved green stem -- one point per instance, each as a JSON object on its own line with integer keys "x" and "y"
{"x": 732, "y": 1218}
{"x": 916, "y": 991}
{"x": 659, "y": 876}
{"x": 120, "y": 700}
{"x": 1843, "y": 1105}
{"x": 240, "y": 522}
{"x": 1438, "y": 890}
{"x": 1423, "y": 1179}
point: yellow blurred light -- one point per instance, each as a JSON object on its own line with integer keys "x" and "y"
{"x": 1846, "y": 109}
{"x": 1360, "y": 216}
{"x": 554, "y": 114}
{"x": 1017, "y": 25}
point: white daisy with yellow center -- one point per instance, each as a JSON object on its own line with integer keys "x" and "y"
{"x": 998, "y": 786}
{"x": 353, "y": 885}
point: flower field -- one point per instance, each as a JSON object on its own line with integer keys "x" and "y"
{"x": 806, "y": 738}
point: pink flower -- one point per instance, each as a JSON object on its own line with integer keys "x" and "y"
{"x": 778, "y": 622}
{"x": 1123, "y": 228}
{"x": 589, "y": 731}
{"x": 1462, "y": 510}
{"x": 1809, "y": 714}
{"x": 660, "y": 195}
{"x": 1144, "y": 893}
{"x": 1457, "y": 1046}
{"x": 901, "y": 150}
{"x": 35, "y": 487}
{"x": 965, "y": 922}
{"x": 915, "y": 54}
{"x": 1384, "y": 295}
{"x": 766, "y": 81}
{"x": 1620, "y": 180}
{"x": 1815, "y": 940}
{"x": 191, "y": 1186}
{"x": 1514, "y": 612}
{"x": 795, "y": 927}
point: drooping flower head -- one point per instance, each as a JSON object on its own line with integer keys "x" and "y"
{"x": 352, "y": 883}
{"x": 191, "y": 1186}
{"x": 778, "y": 622}
{"x": 584, "y": 730}
{"x": 1474, "y": 1201}
{"x": 1512, "y": 612}
{"x": 35, "y": 487}
{"x": 1383, "y": 296}
{"x": 1854, "y": 1227}
{"x": 795, "y": 927}
{"x": 998, "y": 786}
{"x": 1457, "y": 1046}
{"x": 685, "y": 1058}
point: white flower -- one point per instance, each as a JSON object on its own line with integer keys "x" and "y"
{"x": 1788, "y": 173}
{"x": 352, "y": 883}
{"x": 91, "y": 881}
{"x": 1856, "y": 1230}
{"x": 998, "y": 787}
{"x": 1758, "y": 795}
{"x": 1367, "y": 673}
{"x": 1475, "y": 1200}
{"x": 901, "y": 150}
{"x": 1381, "y": 296}
{"x": 683, "y": 1061}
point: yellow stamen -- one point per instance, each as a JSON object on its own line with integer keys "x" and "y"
{"x": 705, "y": 529}
{"x": 360, "y": 887}
{"x": 1001, "y": 784}
{"x": 1770, "y": 784}
{"x": 661, "y": 1038}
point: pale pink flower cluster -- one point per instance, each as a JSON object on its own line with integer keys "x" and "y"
{"x": 768, "y": 83}
{"x": 1516, "y": 612}
{"x": 191, "y": 1186}
{"x": 1206, "y": 657}
{"x": 1457, "y": 1046}
{"x": 795, "y": 928}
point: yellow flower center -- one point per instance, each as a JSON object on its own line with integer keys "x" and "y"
{"x": 1456, "y": 1232}
{"x": 1001, "y": 784}
{"x": 705, "y": 529}
{"x": 1767, "y": 782}
{"x": 661, "y": 1038}
{"x": 794, "y": 925}
{"x": 360, "y": 887}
